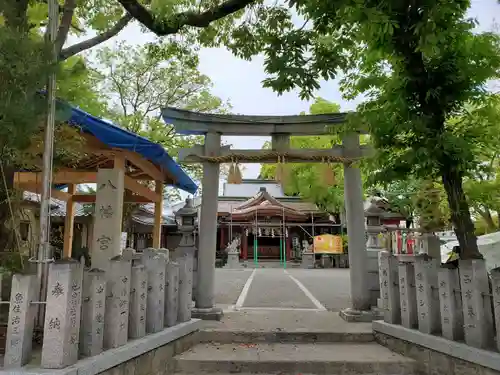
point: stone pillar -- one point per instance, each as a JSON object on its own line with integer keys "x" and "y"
{"x": 233, "y": 259}
{"x": 93, "y": 308}
{"x": 389, "y": 287}
{"x": 495, "y": 287}
{"x": 308, "y": 259}
{"x": 138, "y": 292}
{"x": 106, "y": 241}
{"x": 478, "y": 316}
{"x": 185, "y": 288}
{"x": 426, "y": 279}
{"x": 18, "y": 345}
{"x": 117, "y": 303}
{"x": 353, "y": 196}
{"x": 208, "y": 231}
{"x": 452, "y": 319}
{"x": 61, "y": 330}
{"x": 172, "y": 294}
{"x": 326, "y": 261}
{"x": 155, "y": 309}
{"x": 407, "y": 295}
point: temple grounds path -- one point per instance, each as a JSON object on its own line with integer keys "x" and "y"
{"x": 281, "y": 290}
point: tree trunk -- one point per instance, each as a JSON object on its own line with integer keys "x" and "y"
{"x": 460, "y": 215}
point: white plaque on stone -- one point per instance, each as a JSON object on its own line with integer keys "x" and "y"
{"x": 62, "y": 314}
{"x": 18, "y": 344}
{"x": 93, "y": 311}
{"x": 117, "y": 303}
{"x": 452, "y": 320}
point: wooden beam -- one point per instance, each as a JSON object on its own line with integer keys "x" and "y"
{"x": 145, "y": 165}
{"x": 127, "y": 198}
{"x": 37, "y": 189}
{"x": 196, "y": 153}
{"x": 69, "y": 222}
{"x": 142, "y": 190}
{"x": 158, "y": 215}
{"x": 61, "y": 177}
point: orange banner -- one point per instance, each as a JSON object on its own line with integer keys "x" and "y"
{"x": 328, "y": 244}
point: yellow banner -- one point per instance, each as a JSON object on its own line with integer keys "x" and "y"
{"x": 328, "y": 244}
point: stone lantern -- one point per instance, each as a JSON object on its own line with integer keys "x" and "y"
{"x": 185, "y": 218}
{"x": 185, "y": 256}
{"x": 374, "y": 228}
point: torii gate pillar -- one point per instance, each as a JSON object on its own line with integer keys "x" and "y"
{"x": 360, "y": 309}
{"x": 205, "y": 308}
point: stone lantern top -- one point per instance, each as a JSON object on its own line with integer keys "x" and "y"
{"x": 187, "y": 214}
{"x": 187, "y": 210}
{"x": 374, "y": 209}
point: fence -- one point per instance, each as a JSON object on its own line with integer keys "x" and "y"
{"x": 459, "y": 304}
{"x": 88, "y": 311}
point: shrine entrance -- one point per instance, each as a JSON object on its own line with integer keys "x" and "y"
{"x": 211, "y": 154}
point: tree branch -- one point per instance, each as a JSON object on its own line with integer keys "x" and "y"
{"x": 177, "y": 21}
{"x": 67, "y": 17}
{"x": 98, "y": 39}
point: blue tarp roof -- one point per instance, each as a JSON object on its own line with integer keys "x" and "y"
{"x": 114, "y": 136}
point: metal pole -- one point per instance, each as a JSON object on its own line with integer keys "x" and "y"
{"x": 44, "y": 243}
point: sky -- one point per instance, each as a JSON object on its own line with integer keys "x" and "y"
{"x": 239, "y": 81}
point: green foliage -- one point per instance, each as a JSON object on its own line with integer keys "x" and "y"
{"x": 139, "y": 81}
{"x": 418, "y": 65}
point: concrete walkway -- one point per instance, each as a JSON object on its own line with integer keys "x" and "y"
{"x": 278, "y": 289}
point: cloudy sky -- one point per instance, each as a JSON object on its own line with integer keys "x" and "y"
{"x": 240, "y": 81}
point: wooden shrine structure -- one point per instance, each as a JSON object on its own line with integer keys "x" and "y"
{"x": 141, "y": 166}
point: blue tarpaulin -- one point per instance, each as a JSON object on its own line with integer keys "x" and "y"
{"x": 117, "y": 137}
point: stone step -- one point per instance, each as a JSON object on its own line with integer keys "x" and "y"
{"x": 332, "y": 358}
{"x": 285, "y": 327}
{"x": 229, "y": 336}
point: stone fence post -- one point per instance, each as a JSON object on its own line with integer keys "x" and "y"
{"x": 155, "y": 264}
{"x": 117, "y": 303}
{"x": 18, "y": 345}
{"x": 62, "y": 314}
{"x": 426, "y": 279}
{"x": 478, "y": 316}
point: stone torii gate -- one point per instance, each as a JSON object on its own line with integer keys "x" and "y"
{"x": 279, "y": 128}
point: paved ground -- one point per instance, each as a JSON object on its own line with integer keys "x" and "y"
{"x": 278, "y": 289}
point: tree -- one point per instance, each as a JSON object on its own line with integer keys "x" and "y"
{"x": 483, "y": 184}
{"x": 139, "y": 81}
{"x": 417, "y": 62}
